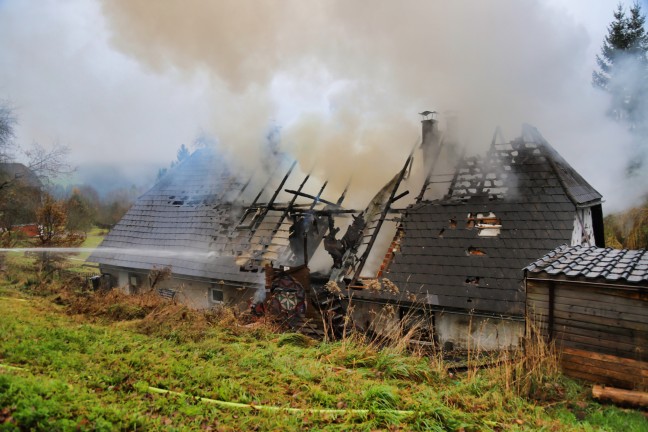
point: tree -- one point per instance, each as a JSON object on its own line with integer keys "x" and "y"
{"x": 51, "y": 218}
{"x": 48, "y": 163}
{"x": 18, "y": 204}
{"x": 21, "y": 185}
{"x": 42, "y": 162}
{"x": 623, "y": 65}
{"x": 183, "y": 153}
{"x": 52, "y": 232}
{"x": 7, "y": 123}
{"x": 81, "y": 212}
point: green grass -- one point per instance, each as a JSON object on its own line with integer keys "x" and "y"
{"x": 93, "y": 239}
{"x": 77, "y": 263}
{"x": 83, "y": 373}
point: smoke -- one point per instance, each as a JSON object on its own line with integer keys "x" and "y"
{"x": 344, "y": 80}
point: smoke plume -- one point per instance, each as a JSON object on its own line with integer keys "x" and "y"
{"x": 368, "y": 68}
{"x": 344, "y": 80}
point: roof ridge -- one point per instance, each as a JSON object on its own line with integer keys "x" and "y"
{"x": 553, "y": 157}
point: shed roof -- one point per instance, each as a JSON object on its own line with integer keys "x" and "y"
{"x": 589, "y": 262}
{"x": 530, "y": 190}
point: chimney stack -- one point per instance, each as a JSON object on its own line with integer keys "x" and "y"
{"x": 430, "y": 129}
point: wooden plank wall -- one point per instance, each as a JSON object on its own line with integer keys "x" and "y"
{"x": 601, "y": 332}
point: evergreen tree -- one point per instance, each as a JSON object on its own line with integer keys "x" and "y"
{"x": 615, "y": 42}
{"x": 623, "y": 65}
{"x": 183, "y": 153}
{"x": 80, "y": 212}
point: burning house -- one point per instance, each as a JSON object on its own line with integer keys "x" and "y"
{"x": 210, "y": 229}
{"x": 455, "y": 261}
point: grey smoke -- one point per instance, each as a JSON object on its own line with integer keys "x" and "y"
{"x": 344, "y": 79}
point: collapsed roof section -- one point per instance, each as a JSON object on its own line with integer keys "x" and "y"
{"x": 501, "y": 211}
{"x": 527, "y": 158}
{"x": 204, "y": 221}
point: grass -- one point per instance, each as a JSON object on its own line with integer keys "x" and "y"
{"x": 86, "y": 366}
{"x": 93, "y": 239}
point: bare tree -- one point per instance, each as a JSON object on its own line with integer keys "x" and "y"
{"x": 48, "y": 163}
{"x": 7, "y": 123}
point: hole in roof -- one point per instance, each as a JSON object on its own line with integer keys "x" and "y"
{"x": 452, "y": 223}
{"x": 441, "y": 232}
{"x": 472, "y": 280}
{"x": 470, "y": 221}
{"x": 488, "y": 224}
{"x": 473, "y": 251}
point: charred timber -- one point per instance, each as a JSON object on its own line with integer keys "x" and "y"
{"x": 313, "y": 197}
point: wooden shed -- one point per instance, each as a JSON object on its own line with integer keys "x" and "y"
{"x": 593, "y": 302}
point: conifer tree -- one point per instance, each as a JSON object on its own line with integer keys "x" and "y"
{"x": 623, "y": 65}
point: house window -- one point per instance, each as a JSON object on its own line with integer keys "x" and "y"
{"x": 133, "y": 280}
{"x": 216, "y": 295}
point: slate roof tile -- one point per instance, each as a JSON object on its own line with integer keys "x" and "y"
{"x": 594, "y": 263}
{"x": 536, "y": 210}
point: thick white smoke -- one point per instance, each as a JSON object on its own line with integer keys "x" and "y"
{"x": 367, "y": 68}
{"x": 343, "y": 79}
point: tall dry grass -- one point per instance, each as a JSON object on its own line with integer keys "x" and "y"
{"x": 531, "y": 369}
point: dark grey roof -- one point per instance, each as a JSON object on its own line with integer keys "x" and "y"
{"x": 17, "y": 171}
{"x": 579, "y": 191}
{"x": 189, "y": 220}
{"x": 589, "y": 262}
{"x": 519, "y": 183}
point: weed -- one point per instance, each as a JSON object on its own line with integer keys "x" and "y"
{"x": 295, "y": 339}
{"x": 381, "y": 397}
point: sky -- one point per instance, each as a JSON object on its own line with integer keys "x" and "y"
{"x": 123, "y": 83}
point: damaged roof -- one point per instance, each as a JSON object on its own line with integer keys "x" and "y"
{"x": 467, "y": 250}
{"x": 577, "y": 189}
{"x": 190, "y": 221}
{"x": 593, "y": 263}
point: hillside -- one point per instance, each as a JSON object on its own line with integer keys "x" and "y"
{"x": 73, "y": 360}
{"x": 628, "y": 229}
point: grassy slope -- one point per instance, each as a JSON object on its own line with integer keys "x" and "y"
{"x": 89, "y": 373}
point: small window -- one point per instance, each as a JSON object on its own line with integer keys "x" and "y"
{"x": 133, "y": 280}
{"x": 216, "y": 295}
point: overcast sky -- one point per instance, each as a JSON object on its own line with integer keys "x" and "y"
{"x": 126, "y": 82}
